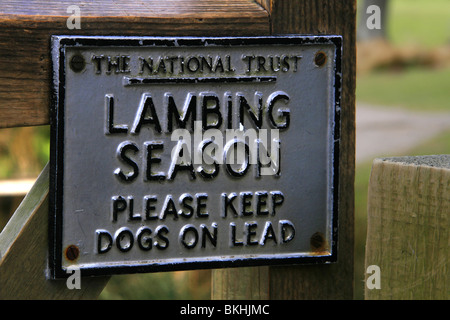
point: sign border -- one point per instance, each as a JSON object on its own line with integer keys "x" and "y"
{"x": 58, "y": 58}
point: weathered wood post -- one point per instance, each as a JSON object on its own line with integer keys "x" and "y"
{"x": 407, "y": 251}
{"x": 333, "y": 281}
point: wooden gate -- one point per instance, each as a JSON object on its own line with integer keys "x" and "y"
{"x": 25, "y": 76}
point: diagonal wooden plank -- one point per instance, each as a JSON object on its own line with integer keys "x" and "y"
{"x": 24, "y": 253}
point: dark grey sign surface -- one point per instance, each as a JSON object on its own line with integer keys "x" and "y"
{"x": 186, "y": 153}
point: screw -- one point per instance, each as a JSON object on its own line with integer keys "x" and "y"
{"x": 320, "y": 58}
{"x": 317, "y": 242}
{"x": 77, "y": 63}
{"x": 72, "y": 252}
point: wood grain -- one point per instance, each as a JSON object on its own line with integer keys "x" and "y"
{"x": 408, "y": 228}
{"x": 250, "y": 283}
{"x": 334, "y": 281}
{"x": 26, "y": 27}
{"x": 266, "y": 4}
{"x": 23, "y": 253}
{"x": 25, "y": 81}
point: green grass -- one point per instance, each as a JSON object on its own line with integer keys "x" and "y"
{"x": 414, "y": 88}
{"x": 437, "y": 145}
{"x": 422, "y": 22}
{"x": 425, "y": 24}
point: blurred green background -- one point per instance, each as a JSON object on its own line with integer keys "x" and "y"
{"x": 409, "y": 68}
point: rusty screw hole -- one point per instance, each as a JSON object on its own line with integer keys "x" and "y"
{"x": 77, "y": 63}
{"x": 320, "y": 58}
{"x": 72, "y": 252}
{"x": 317, "y": 242}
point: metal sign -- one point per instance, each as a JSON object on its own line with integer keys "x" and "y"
{"x": 185, "y": 153}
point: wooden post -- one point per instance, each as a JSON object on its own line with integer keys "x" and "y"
{"x": 333, "y": 281}
{"x": 25, "y": 93}
{"x": 408, "y": 228}
{"x": 25, "y": 77}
